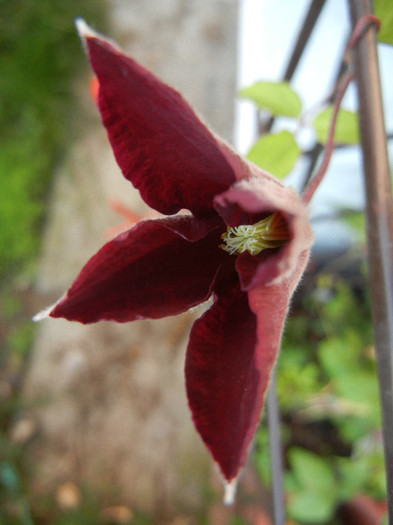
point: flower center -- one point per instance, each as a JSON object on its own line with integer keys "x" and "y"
{"x": 270, "y": 232}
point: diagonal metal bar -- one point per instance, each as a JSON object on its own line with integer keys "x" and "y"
{"x": 312, "y": 16}
{"x": 379, "y": 213}
{"x": 308, "y": 25}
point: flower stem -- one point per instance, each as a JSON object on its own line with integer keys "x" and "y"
{"x": 315, "y": 181}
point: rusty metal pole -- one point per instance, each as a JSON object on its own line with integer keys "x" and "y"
{"x": 379, "y": 214}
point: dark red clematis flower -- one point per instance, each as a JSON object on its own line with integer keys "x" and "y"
{"x": 245, "y": 241}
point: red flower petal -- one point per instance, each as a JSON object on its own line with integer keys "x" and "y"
{"x": 230, "y": 358}
{"x": 223, "y": 382}
{"x": 270, "y": 303}
{"x": 151, "y": 271}
{"x": 160, "y": 144}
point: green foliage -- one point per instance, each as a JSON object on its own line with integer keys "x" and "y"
{"x": 237, "y": 521}
{"x": 311, "y": 487}
{"x": 353, "y": 385}
{"x": 277, "y": 97}
{"x": 88, "y": 513}
{"x": 347, "y": 128}
{"x": 40, "y": 54}
{"x": 21, "y": 199}
{"x": 384, "y": 11}
{"x": 364, "y": 472}
{"x": 276, "y": 153}
{"x": 262, "y": 457}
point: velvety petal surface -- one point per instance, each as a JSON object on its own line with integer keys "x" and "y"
{"x": 270, "y": 304}
{"x": 232, "y": 351}
{"x": 160, "y": 144}
{"x": 150, "y": 271}
{"x": 223, "y": 380}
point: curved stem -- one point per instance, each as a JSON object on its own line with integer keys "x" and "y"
{"x": 315, "y": 182}
{"x": 364, "y": 23}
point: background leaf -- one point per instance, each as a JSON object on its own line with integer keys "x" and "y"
{"x": 384, "y": 11}
{"x": 347, "y": 128}
{"x": 277, "y": 97}
{"x": 276, "y": 153}
{"x": 313, "y": 497}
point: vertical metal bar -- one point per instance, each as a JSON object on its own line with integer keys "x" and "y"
{"x": 379, "y": 213}
{"x": 273, "y": 415}
{"x": 275, "y": 446}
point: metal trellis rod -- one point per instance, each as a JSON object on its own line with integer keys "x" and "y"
{"x": 379, "y": 214}
{"x": 307, "y": 28}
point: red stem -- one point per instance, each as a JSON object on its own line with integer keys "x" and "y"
{"x": 315, "y": 182}
{"x": 358, "y": 32}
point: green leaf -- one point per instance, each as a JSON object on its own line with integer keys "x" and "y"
{"x": 353, "y": 474}
{"x": 311, "y": 471}
{"x": 339, "y": 355}
{"x": 262, "y": 455}
{"x": 384, "y": 11}
{"x": 313, "y": 498}
{"x": 277, "y": 97}
{"x": 347, "y": 128}
{"x": 310, "y": 507}
{"x": 363, "y": 472}
{"x": 276, "y": 153}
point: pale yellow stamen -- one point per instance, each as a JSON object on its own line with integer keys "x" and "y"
{"x": 270, "y": 232}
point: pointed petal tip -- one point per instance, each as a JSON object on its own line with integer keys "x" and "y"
{"x": 85, "y": 32}
{"x": 84, "y": 29}
{"x": 43, "y": 314}
{"x": 230, "y": 491}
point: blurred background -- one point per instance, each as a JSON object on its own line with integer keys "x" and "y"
{"x": 94, "y": 426}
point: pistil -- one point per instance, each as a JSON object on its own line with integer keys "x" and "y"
{"x": 270, "y": 232}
